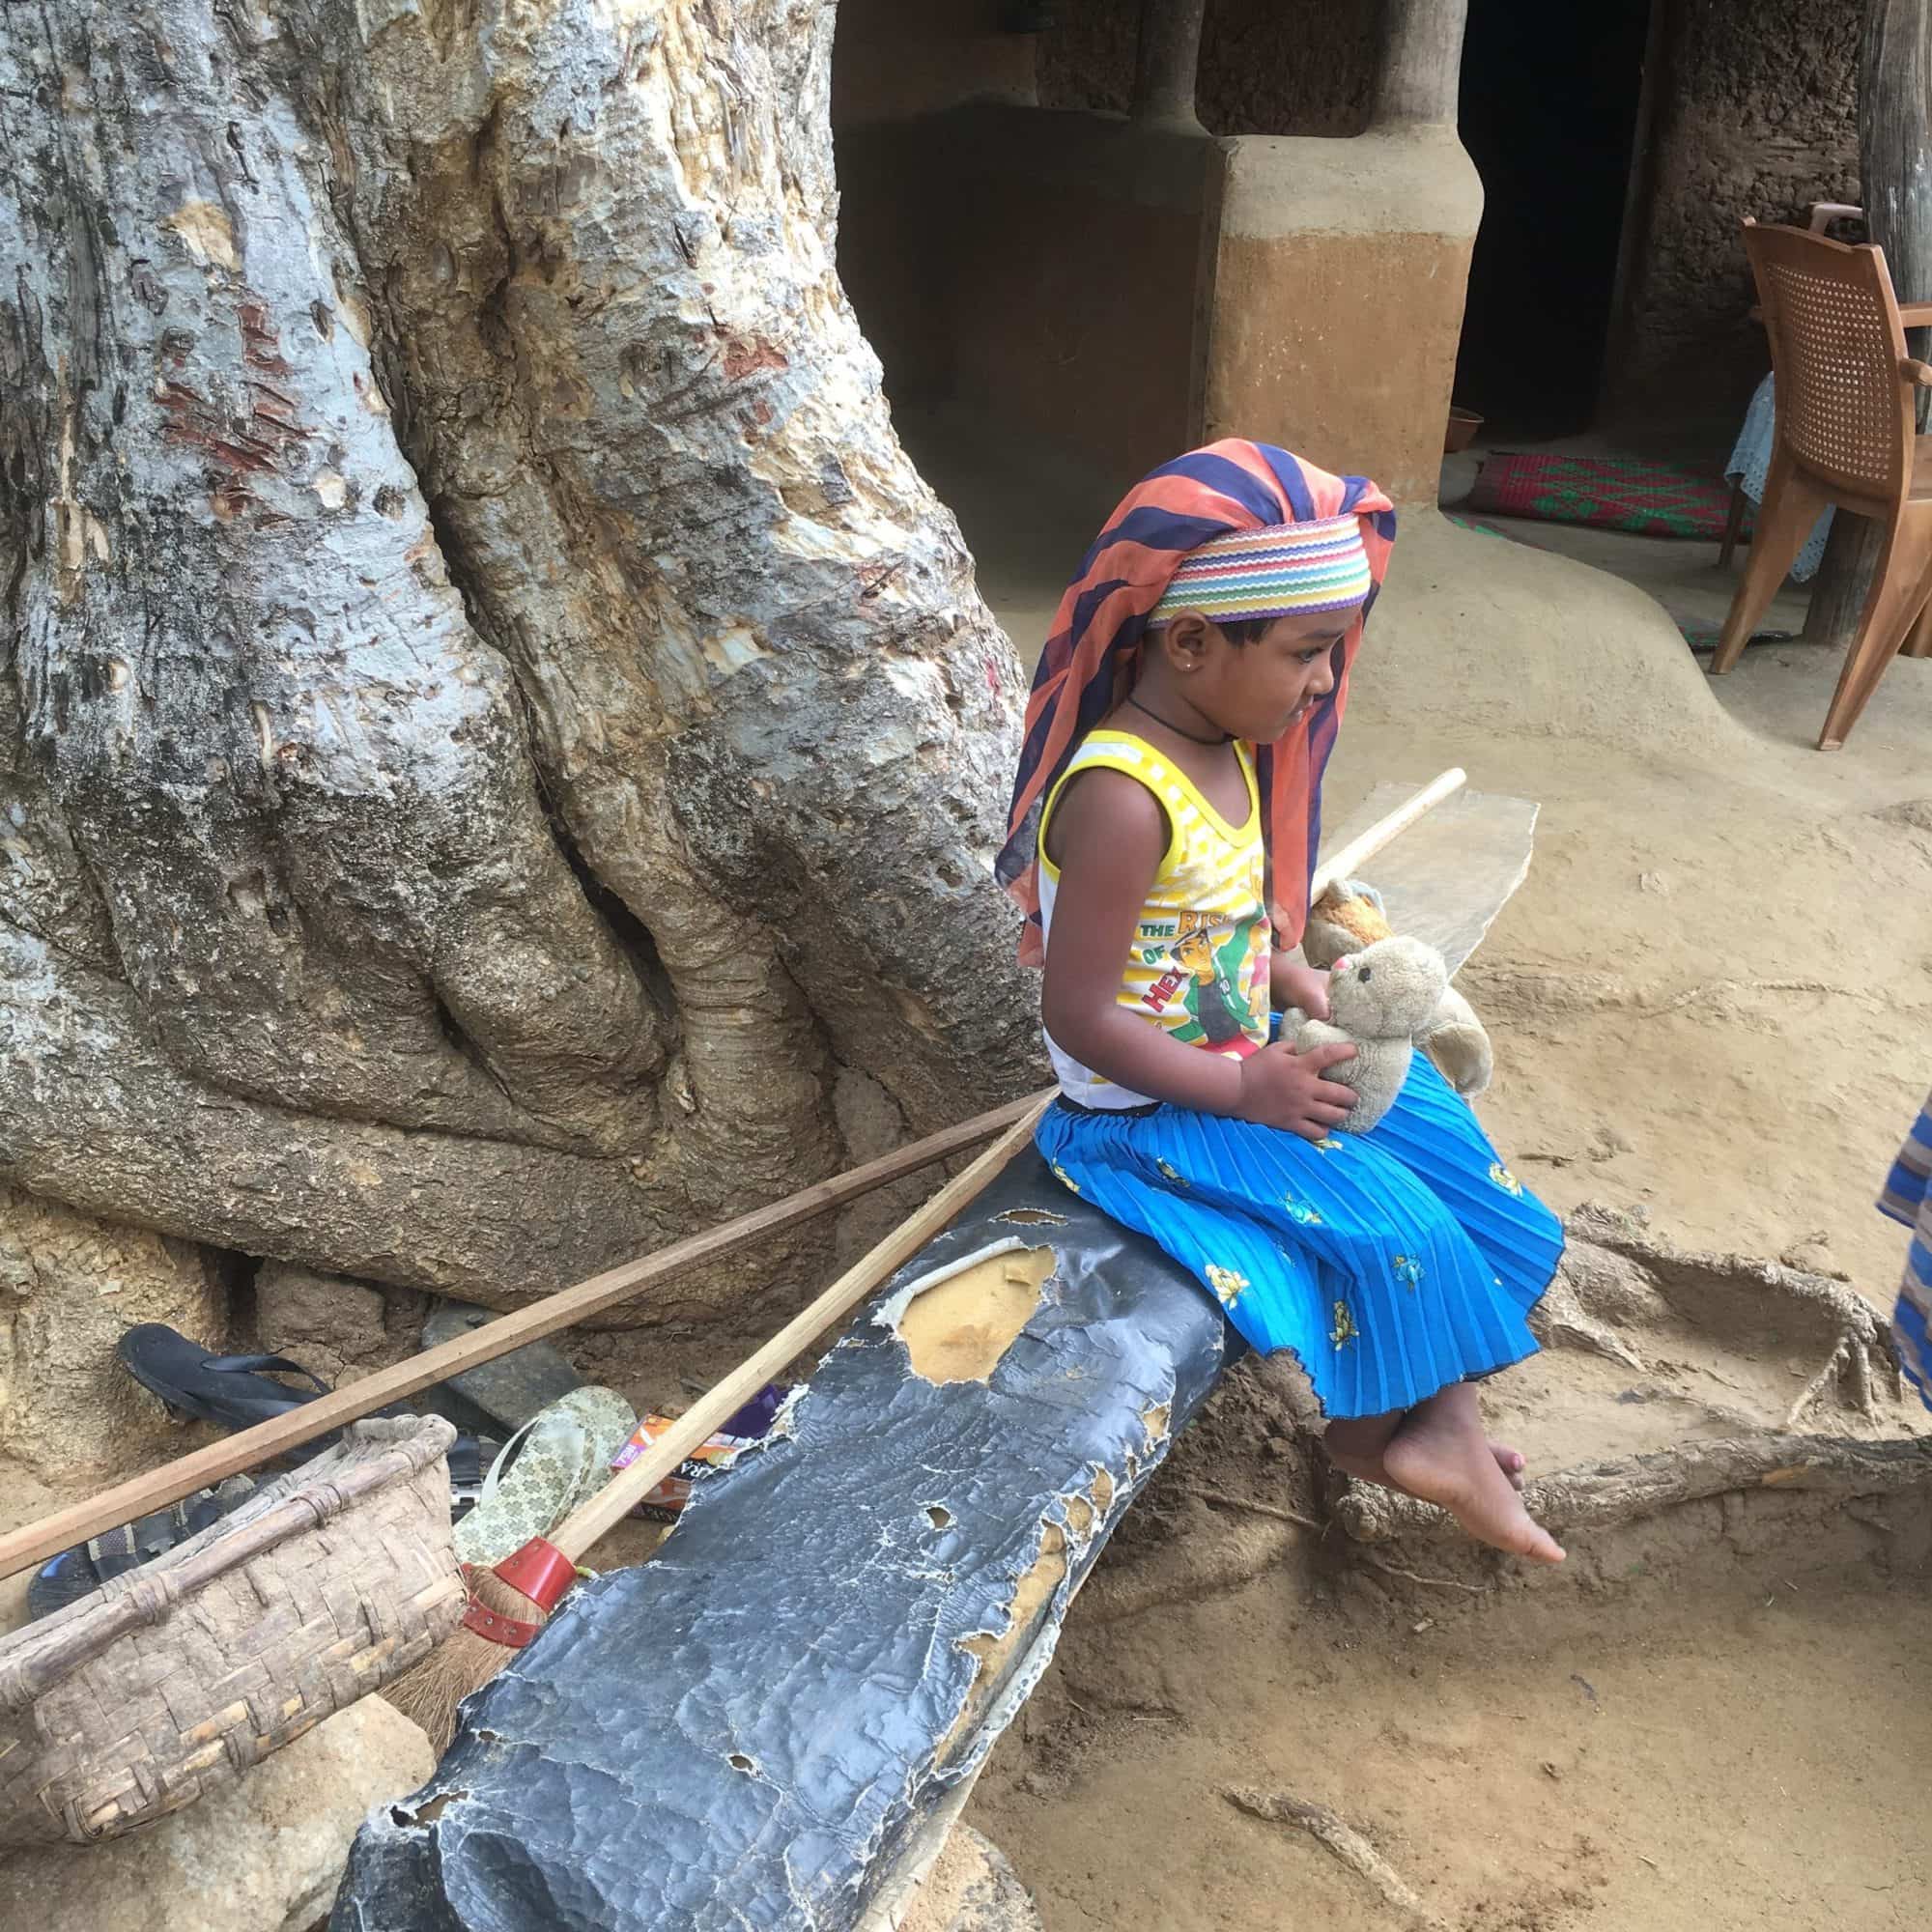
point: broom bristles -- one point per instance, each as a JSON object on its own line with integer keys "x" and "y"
{"x": 428, "y": 1692}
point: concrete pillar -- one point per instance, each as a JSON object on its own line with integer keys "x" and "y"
{"x": 1334, "y": 301}
{"x": 1166, "y": 58}
{"x": 1421, "y": 67}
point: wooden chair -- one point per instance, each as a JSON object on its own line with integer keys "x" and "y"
{"x": 1846, "y": 434}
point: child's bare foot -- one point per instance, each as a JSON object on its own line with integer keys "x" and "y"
{"x": 1356, "y": 1457}
{"x": 1364, "y": 1469}
{"x": 1440, "y": 1453}
{"x": 1355, "y": 1445}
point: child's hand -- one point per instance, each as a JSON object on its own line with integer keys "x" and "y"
{"x": 1283, "y": 1088}
{"x": 1294, "y": 984}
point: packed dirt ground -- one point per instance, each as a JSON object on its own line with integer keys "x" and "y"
{"x": 1750, "y": 1753}
{"x": 1710, "y": 1002}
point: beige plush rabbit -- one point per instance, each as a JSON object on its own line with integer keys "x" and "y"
{"x": 1347, "y": 917}
{"x": 1379, "y": 1000}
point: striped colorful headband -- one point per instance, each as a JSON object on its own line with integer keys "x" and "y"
{"x": 1278, "y": 571}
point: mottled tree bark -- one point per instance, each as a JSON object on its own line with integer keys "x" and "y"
{"x": 492, "y": 724}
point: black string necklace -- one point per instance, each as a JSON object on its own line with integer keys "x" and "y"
{"x": 1192, "y": 737}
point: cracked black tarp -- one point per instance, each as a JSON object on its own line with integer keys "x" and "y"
{"x": 745, "y": 1731}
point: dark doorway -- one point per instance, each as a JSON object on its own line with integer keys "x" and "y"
{"x": 1550, "y": 109}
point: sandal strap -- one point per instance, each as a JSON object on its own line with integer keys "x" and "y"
{"x": 135, "y": 1543}
{"x": 466, "y": 1461}
{"x": 113, "y": 1551}
{"x": 256, "y": 1364}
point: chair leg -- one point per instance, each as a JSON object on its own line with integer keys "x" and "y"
{"x": 1734, "y": 524}
{"x": 1919, "y": 644}
{"x": 1791, "y": 506}
{"x": 1901, "y": 586}
{"x": 1916, "y": 602}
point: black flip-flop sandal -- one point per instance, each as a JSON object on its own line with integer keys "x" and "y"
{"x": 81, "y": 1570}
{"x": 231, "y": 1391}
{"x": 234, "y": 1392}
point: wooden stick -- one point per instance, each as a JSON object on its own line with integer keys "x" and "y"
{"x": 1384, "y": 830}
{"x": 617, "y": 1499}
{"x": 35, "y": 1542}
{"x": 139, "y": 1495}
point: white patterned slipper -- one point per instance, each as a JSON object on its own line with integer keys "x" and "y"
{"x": 564, "y": 1458}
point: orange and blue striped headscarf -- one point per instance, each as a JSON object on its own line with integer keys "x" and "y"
{"x": 1088, "y": 664}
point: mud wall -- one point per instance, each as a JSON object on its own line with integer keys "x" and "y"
{"x": 1069, "y": 281}
{"x": 1038, "y": 270}
{"x": 1267, "y": 67}
{"x": 891, "y": 62}
{"x": 1752, "y": 112}
{"x": 1755, "y": 113}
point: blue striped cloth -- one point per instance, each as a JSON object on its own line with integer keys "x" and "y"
{"x": 1390, "y": 1263}
{"x": 1907, "y": 1199}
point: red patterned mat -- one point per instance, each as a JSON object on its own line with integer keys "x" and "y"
{"x": 1611, "y": 493}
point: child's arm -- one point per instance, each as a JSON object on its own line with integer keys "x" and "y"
{"x": 1107, "y": 836}
{"x": 1290, "y": 983}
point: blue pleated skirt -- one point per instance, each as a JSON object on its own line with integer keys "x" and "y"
{"x": 1908, "y": 1200}
{"x": 1391, "y": 1263}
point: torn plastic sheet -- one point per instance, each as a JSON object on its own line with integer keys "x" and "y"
{"x": 748, "y": 1730}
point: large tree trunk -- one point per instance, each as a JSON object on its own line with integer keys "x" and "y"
{"x": 494, "y": 729}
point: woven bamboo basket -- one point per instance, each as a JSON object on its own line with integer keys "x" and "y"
{"x": 173, "y": 1679}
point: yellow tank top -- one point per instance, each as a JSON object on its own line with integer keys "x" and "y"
{"x": 1199, "y": 962}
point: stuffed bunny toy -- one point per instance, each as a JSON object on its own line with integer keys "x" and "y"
{"x": 1379, "y": 1000}
{"x": 1349, "y": 917}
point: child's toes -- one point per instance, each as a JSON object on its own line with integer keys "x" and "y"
{"x": 1533, "y": 1541}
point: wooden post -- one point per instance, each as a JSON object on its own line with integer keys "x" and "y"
{"x": 1421, "y": 69}
{"x": 1165, "y": 61}
{"x": 1839, "y": 590}
{"x": 1895, "y": 156}
{"x": 1895, "y": 163}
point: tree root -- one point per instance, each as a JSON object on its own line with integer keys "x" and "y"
{"x": 1713, "y": 989}
{"x": 1432, "y": 1583}
{"x": 1561, "y": 1320}
{"x": 1848, "y": 1374}
{"x": 1604, "y": 1494}
{"x": 1221, "y": 1499}
{"x": 1274, "y": 1511}
{"x": 1727, "y": 1295}
{"x": 1279, "y": 1808}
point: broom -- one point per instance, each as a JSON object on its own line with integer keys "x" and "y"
{"x": 509, "y": 1604}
